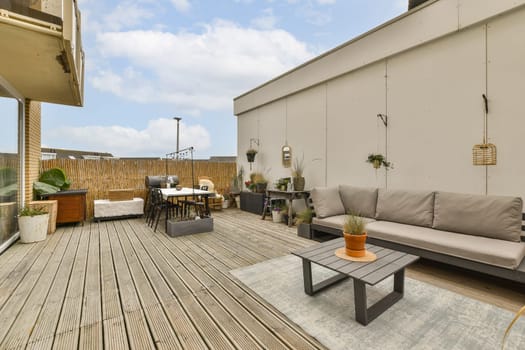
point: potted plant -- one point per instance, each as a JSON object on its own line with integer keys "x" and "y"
{"x": 277, "y": 214}
{"x": 355, "y": 236}
{"x": 297, "y": 173}
{"x": 250, "y": 154}
{"x": 378, "y": 160}
{"x": 258, "y": 182}
{"x": 225, "y": 201}
{"x": 303, "y": 222}
{"x": 33, "y": 224}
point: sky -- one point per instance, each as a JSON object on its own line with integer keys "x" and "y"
{"x": 148, "y": 61}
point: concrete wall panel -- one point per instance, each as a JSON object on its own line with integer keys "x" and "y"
{"x": 435, "y": 114}
{"x": 353, "y": 128}
{"x": 506, "y": 92}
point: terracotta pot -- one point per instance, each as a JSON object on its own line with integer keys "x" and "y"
{"x": 355, "y": 245}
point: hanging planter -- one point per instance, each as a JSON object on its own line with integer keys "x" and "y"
{"x": 378, "y": 160}
{"x": 250, "y": 154}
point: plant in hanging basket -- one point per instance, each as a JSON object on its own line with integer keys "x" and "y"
{"x": 250, "y": 154}
{"x": 378, "y": 160}
{"x": 355, "y": 236}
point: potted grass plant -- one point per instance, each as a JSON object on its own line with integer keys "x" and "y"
{"x": 297, "y": 173}
{"x": 355, "y": 236}
{"x": 32, "y": 223}
{"x": 303, "y": 220}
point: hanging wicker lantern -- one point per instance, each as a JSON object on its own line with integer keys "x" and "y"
{"x": 484, "y": 154}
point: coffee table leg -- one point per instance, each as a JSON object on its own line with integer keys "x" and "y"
{"x": 364, "y": 314}
{"x": 307, "y": 277}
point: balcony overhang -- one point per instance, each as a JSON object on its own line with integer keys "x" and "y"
{"x": 38, "y": 61}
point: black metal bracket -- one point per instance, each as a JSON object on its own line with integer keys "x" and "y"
{"x": 486, "y": 101}
{"x": 384, "y": 119}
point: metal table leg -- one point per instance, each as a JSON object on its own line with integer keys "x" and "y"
{"x": 364, "y": 314}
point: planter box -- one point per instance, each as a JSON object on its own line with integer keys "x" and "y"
{"x": 180, "y": 228}
{"x": 252, "y": 202}
{"x": 51, "y": 207}
{"x": 304, "y": 230}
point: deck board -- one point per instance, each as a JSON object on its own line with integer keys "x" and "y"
{"x": 119, "y": 285}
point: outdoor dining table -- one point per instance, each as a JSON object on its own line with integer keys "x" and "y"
{"x": 186, "y": 192}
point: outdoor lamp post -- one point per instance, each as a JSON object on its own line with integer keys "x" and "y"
{"x": 178, "y": 119}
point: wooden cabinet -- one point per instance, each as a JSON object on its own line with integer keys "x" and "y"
{"x": 71, "y": 205}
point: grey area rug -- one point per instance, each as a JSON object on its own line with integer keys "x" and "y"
{"x": 426, "y": 318}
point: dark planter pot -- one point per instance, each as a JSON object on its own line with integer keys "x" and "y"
{"x": 298, "y": 183}
{"x": 180, "y": 228}
{"x": 252, "y": 202}
{"x": 251, "y": 157}
{"x": 260, "y": 188}
{"x": 304, "y": 230}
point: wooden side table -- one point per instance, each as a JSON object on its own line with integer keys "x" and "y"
{"x": 71, "y": 205}
{"x": 287, "y": 195}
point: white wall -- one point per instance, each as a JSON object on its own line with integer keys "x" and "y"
{"x": 432, "y": 95}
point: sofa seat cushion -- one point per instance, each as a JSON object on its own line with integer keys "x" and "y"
{"x": 406, "y": 207}
{"x": 327, "y": 202}
{"x": 485, "y": 250}
{"x": 489, "y": 216}
{"x": 336, "y": 222}
{"x": 359, "y": 200}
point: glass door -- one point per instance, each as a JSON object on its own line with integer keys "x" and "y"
{"x": 9, "y": 167}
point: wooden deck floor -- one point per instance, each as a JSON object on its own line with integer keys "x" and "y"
{"x": 118, "y": 285}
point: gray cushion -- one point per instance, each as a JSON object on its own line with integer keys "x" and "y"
{"x": 489, "y": 216}
{"x": 406, "y": 207}
{"x": 336, "y": 222}
{"x": 327, "y": 201}
{"x": 359, "y": 200}
{"x": 490, "y": 251}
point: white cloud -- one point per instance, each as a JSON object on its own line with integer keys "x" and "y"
{"x": 326, "y": 2}
{"x": 154, "y": 140}
{"x": 195, "y": 71}
{"x": 266, "y": 21}
{"x": 126, "y": 15}
{"x": 181, "y": 5}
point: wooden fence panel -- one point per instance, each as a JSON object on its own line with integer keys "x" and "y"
{"x": 100, "y": 176}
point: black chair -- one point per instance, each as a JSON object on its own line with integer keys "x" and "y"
{"x": 158, "y": 206}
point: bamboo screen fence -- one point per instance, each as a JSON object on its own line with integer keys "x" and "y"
{"x": 99, "y": 176}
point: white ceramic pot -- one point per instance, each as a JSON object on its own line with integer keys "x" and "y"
{"x": 33, "y": 228}
{"x": 225, "y": 204}
{"x": 277, "y": 216}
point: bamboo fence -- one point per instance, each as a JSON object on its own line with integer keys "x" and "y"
{"x": 100, "y": 176}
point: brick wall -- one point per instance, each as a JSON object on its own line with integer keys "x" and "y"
{"x": 32, "y": 146}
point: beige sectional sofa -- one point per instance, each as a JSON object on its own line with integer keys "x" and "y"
{"x": 482, "y": 233}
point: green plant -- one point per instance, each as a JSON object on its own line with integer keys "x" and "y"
{"x": 378, "y": 160}
{"x": 304, "y": 216}
{"x": 298, "y": 167}
{"x": 27, "y": 211}
{"x": 226, "y": 197}
{"x": 354, "y": 225}
{"x": 51, "y": 181}
{"x": 258, "y": 178}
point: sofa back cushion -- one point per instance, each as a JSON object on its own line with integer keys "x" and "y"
{"x": 406, "y": 207}
{"x": 479, "y": 215}
{"x": 359, "y": 200}
{"x": 327, "y": 202}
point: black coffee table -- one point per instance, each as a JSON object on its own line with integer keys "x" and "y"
{"x": 389, "y": 262}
